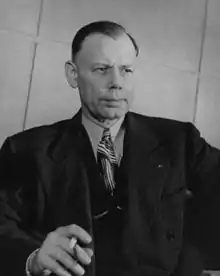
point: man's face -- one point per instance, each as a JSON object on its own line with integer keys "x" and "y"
{"x": 105, "y": 68}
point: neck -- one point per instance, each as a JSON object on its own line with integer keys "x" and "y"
{"x": 105, "y": 123}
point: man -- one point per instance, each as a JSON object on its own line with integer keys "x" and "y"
{"x": 104, "y": 193}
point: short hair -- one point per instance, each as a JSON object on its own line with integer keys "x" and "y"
{"x": 108, "y": 28}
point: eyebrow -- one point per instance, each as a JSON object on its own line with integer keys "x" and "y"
{"x": 101, "y": 64}
{"x": 109, "y": 65}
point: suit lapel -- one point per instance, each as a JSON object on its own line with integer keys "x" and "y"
{"x": 68, "y": 190}
{"x": 146, "y": 162}
{"x": 68, "y": 139}
{"x": 70, "y": 197}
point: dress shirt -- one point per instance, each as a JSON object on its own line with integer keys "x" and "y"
{"x": 95, "y": 133}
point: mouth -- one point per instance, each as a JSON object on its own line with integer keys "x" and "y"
{"x": 113, "y": 102}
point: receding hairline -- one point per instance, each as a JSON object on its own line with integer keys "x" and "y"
{"x": 114, "y": 37}
{"x": 106, "y": 28}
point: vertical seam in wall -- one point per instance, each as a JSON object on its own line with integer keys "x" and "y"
{"x": 204, "y": 25}
{"x": 33, "y": 64}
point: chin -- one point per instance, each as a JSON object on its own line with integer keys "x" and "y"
{"x": 115, "y": 114}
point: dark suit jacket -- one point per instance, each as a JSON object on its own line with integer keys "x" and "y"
{"x": 44, "y": 184}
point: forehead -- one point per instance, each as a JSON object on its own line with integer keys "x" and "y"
{"x": 104, "y": 49}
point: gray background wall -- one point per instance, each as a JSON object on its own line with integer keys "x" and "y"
{"x": 179, "y": 62}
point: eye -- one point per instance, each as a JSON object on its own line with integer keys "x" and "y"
{"x": 101, "y": 69}
{"x": 128, "y": 70}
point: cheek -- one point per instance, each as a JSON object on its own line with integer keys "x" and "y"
{"x": 129, "y": 82}
{"x": 96, "y": 85}
{"x": 130, "y": 97}
{"x": 130, "y": 87}
{"x": 93, "y": 93}
{"x": 88, "y": 89}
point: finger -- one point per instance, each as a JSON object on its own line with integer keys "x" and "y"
{"x": 64, "y": 243}
{"x": 81, "y": 255}
{"x": 78, "y": 252}
{"x": 75, "y": 231}
{"x": 67, "y": 261}
{"x": 89, "y": 251}
{"x": 53, "y": 266}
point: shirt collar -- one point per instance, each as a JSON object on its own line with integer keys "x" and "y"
{"x": 95, "y": 131}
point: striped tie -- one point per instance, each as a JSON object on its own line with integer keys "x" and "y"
{"x": 106, "y": 157}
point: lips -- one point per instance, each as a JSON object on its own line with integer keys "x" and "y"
{"x": 113, "y": 100}
{"x": 113, "y": 103}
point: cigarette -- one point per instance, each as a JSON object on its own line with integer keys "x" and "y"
{"x": 73, "y": 242}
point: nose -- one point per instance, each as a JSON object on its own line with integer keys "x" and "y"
{"x": 116, "y": 81}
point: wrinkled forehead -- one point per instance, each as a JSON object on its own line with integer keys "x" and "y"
{"x": 99, "y": 48}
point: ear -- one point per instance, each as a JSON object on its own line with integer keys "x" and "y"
{"x": 71, "y": 73}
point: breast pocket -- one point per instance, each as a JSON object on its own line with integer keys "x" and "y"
{"x": 173, "y": 192}
{"x": 172, "y": 204}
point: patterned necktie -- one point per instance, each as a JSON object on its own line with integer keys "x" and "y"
{"x": 107, "y": 159}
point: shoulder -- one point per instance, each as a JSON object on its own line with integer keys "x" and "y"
{"x": 37, "y": 137}
{"x": 163, "y": 126}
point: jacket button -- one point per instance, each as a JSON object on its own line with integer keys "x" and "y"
{"x": 170, "y": 235}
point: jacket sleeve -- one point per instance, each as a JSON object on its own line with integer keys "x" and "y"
{"x": 16, "y": 242}
{"x": 203, "y": 209}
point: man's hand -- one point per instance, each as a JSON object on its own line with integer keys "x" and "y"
{"x": 57, "y": 255}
